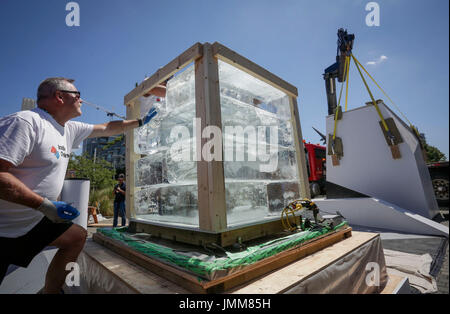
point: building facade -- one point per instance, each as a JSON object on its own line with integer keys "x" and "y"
{"x": 28, "y": 104}
{"x": 111, "y": 149}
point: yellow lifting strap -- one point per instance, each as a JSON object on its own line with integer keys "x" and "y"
{"x": 385, "y": 94}
{"x": 386, "y": 128}
{"x": 347, "y": 74}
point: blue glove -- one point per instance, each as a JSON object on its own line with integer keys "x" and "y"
{"x": 65, "y": 211}
{"x": 150, "y": 115}
{"x": 58, "y": 212}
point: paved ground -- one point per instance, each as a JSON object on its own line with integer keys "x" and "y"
{"x": 104, "y": 223}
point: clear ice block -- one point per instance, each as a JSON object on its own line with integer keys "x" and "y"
{"x": 181, "y": 164}
{"x": 259, "y": 157}
{"x": 260, "y": 166}
{"x": 181, "y": 90}
{"x": 176, "y": 109}
{"x": 245, "y": 89}
{"x": 247, "y": 201}
{"x": 151, "y": 170}
{"x": 147, "y": 138}
{"x": 257, "y": 200}
{"x": 168, "y": 203}
{"x": 167, "y": 176}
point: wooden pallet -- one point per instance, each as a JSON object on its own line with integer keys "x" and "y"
{"x": 196, "y": 285}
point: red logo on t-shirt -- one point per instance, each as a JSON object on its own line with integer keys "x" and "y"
{"x": 54, "y": 151}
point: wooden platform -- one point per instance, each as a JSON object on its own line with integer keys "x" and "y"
{"x": 197, "y": 285}
{"x": 200, "y": 238}
{"x": 138, "y": 279}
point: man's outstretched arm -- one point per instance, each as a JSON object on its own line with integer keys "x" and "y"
{"x": 119, "y": 127}
{"x": 113, "y": 128}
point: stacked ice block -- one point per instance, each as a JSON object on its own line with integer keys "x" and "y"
{"x": 166, "y": 175}
{"x": 260, "y": 166}
{"x": 256, "y": 120}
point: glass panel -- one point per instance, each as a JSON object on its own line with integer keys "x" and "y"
{"x": 166, "y": 175}
{"x": 260, "y": 165}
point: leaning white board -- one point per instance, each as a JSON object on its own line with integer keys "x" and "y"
{"x": 375, "y": 214}
{"x": 367, "y": 166}
{"x": 76, "y": 192}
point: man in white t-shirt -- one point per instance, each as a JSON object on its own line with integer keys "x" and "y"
{"x": 35, "y": 147}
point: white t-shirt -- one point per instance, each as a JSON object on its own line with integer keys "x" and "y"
{"x": 39, "y": 148}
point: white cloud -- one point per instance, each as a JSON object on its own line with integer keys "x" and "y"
{"x": 381, "y": 59}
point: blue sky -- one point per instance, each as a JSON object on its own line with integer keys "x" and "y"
{"x": 118, "y": 43}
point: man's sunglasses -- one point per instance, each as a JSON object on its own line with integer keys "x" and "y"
{"x": 72, "y": 92}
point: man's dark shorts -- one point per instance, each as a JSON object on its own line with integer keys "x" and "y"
{"x": 21, "y": 251}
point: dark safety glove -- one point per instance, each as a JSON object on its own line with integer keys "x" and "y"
{"x": 58, "y": 212}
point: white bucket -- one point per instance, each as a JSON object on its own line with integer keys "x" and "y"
{"x": 76, "y": 192}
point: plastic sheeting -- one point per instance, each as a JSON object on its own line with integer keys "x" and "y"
{"x": 359, "y": 272}
{"x": 96, "y": 279}
{"x": 415, "y": 267}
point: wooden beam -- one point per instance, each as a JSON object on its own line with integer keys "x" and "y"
{"x": 165, "y": 72}
{"x": 255, "y": 231}
{"x": 133, "y": 112}
{"x": 300, "y": 150}
{"x": 225, "y": 54}
{"x": 181, "y": 235}
{"x": 201, "y": 238}
{"x": 210, "y": 174}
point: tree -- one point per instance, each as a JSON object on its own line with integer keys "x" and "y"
{"x": 113, "y": 141}
{"x": 101, "y": 173}
{"x": 433, "y": 153}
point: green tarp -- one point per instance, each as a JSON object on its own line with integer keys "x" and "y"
{"x": 210, "y": 267}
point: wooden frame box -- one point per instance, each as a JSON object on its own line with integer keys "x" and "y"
{"x": 212, "y": 204}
